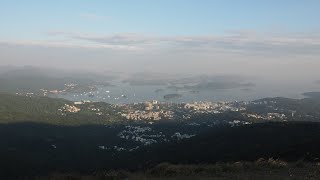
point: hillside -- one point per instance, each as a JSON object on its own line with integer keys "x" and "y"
{"x": 41, "y": 148}
{"x": 15, "y": 108}
{"x": 21, "y": 108}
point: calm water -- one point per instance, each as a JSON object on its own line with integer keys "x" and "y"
{"x": 125, "y": 93}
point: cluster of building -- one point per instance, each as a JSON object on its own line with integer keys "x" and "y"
{"x": 255, "y": 116}
{"x": 45, "y": 92}
{"x": 268, "y": 116}
{"x": 151, "y": 111}
{"x": 147, "y": 136}
{"x": 69, "y": 108}
{"x": 98, "y": 111}
{"x": 148, "y": 115}
{"x": 81, "y": 102}
{"x": 238, "y": 123}
{"x": 28, "y": 94}
{"x": 117, "y": 148}
{"x": 275, "y": 113}
{"x": 70, "y": 85}
{"x": 153, "y": 105}
{"x": 271, "y": 116}
{"x": 180, "y": 136}
{"x": 140, "y": 134}
{"x": 154, "y": 110}
{"x": 214, "y": 107}
{"x": 221, "y": 107}
{"x": 91, "y": 107}
{"x": 202, "y": 106}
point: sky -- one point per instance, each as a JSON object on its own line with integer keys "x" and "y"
{"x": 208, "y": 36}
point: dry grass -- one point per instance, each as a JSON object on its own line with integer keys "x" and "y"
{"x": 260, "y": 169}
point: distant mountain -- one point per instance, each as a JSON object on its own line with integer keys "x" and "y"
{"x": 4, "y": 69}
{"x": 312, "y": 94}
{"x": 220, "y": 85}
{"x": 32, "y": 79}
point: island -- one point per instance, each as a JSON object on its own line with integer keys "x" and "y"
{"x": 171, "y": 96}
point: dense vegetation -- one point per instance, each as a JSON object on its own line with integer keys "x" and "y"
{"x": 16, "y": 108}
{"x": 306, "y": 109}
{"x": 261, "y": 169}
{"x": 76, "y": 148}
{"x": 45, "y": 140}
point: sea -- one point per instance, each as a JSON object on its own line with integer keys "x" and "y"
{"x": 124, "y": 93}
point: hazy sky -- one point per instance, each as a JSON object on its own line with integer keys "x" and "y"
{"x": 256, "y": 37}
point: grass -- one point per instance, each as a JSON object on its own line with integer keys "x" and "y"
{"x": 260, "y": 169}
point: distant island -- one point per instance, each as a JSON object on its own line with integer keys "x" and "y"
{"x": 171, "y": 96}
{"x": 194, "y": 91}
{"x": 312, "y": 94}
{"x": 159, "y": 90}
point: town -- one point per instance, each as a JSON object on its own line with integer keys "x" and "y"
{"x": 152, "y": 111}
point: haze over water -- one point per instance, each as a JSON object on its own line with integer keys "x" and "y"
{"x": 122, "y": 93}
{"x": 276, "y": 43}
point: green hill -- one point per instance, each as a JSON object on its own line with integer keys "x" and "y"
{"x": 21, "y": 108}
{"x": 14, "y": 108}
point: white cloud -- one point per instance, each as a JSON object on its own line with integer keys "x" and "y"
{"x": 70, "y": 45}
{"x": 236, "y": 42}
{"x": 276, "y": 55}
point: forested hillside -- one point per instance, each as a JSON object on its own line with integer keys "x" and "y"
{"x": 14, "y": 108}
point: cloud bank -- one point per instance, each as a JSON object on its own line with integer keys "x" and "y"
{"x": 287, "y": 56}
{"x": 302, "y": 44}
